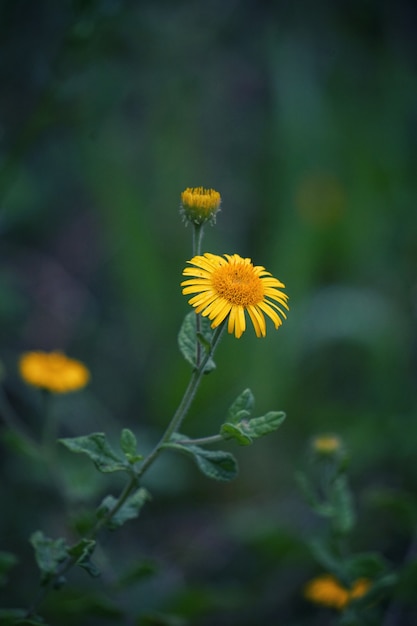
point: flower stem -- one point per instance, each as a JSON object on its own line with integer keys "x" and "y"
{"x": 184, "y": 405}
{"x": 198, "y": 232}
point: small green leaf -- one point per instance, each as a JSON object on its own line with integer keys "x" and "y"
{"x": 7, "y": 561}
{"x": 366, "y": 565}
{"x": 128, "y": 445}
{"x": 82, "y": 552}
{"x": 328, "y": 560}
{"x": 215, "y": 464}
{"x": 49, "y": 553}
{"x": 188, "y": 339}
{"x": 99, "y": 450}
{"x": 245, "y": 431}
{"x": 341, "y": 500}
{"x": 241, "y": 407}
{"x": 130, "y": 509}
{"x": 17, "y": 617}
{"x": 233, "y": 431}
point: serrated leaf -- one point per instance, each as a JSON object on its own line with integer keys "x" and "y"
{"x": 49, "y": 553}
{"x": 128, "y": 444}
{"x": 130, "y": 509}
{"x": 98, "y": 449}
{"x": 215, "y": 464}
{"x": 244, "y": 402}
{"x": 82, "y": 552}
{"x": 246, "y": 431}
{"x": 188, "y": 340}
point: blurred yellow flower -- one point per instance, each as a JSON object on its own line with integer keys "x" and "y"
{"x": 230, "y": 286}
{"x": 53, "y": 371}
{"x": 327, "y": 444}
{"x": 200, "y": 205}
{"x": 327, "y": 591}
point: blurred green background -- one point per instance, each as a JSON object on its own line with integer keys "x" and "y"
{"x": 303, "y": 116}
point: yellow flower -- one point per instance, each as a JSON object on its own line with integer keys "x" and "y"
{"x": 53, "y": 371}
{"x": 200, "y": 205}
{"x": 327, "y": 591}
{"x": 327, "y": 444}
{"x": 230, "y": 286}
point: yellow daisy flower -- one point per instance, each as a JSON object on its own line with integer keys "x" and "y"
{"x": 200, "y": 205}
{"x": 230, "y": 286}
{"x": 53, "y": 371}
{"x": 327, "y": 591}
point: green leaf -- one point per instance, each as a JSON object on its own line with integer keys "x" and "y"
{"x": 130, "y": 509}
{"x": 99, "y": 450}
{"x": 82, "y": 552}
{"x": 215, "y": 464}
{"x": 49, "y": 553}
{"x": 328, "y": 560}
{"x": 128, "y": 445}
{"x": 341, "y": 500}
{"x": 234, "y": 431}
{"x": 16, "y": 617}
{"x": 188, "y": 339}
{"x": 7, "y": 561}
{"x": 245, "y": 431}
{"x": 366, "y": 565}
{"x": 241, "y": 407}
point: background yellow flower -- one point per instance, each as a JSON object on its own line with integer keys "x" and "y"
{"x": 53, "y": 371}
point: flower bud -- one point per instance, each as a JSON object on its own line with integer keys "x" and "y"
{"x": 200, "y": 205}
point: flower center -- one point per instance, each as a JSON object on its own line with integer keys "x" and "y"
{"x": 238, "y": 284}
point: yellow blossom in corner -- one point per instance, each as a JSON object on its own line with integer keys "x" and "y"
{"x": 53, "y": 371}
{"x": 199, "y": 205}
{"x": 230, "y": 286}
{"x": 326, "y": 590}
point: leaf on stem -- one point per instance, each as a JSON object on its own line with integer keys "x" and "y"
{"x": 242, "y": 407}
{"x": 341, "y": 500}
{"x": 49, "y": 553}
{"x": 188, "y": 339}
{"x": 99, "y": 450}
{"x": 246, "y": 430}
{"x": 82, "y": 552}
{"x": 215, "y": 464}
{"x": 129, "y": 510}
{"x": 128, "y": 444}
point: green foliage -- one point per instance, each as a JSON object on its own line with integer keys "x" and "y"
{"x": 98, "y": 449}
{"x": 7, "y": 562}
{"x": 128, "y": 444}
{"x": 81, "y": 553}
{"x": 128, "y": 511}
{"x": 189, "y": 339}
{"x": 17, "y": 617}
{"x": 245, "y": 430}
{"x": 49, "y": 554}
{"x": 215, "y": 464}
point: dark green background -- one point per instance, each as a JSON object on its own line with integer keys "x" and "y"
{"x": 303, "y": 116}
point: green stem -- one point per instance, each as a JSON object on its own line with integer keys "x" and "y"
{"x": 184, "y": 405}
{"x": 201, "y": 441}
{"x": 198, "y": 232}
{"x": 13, "y": 423}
